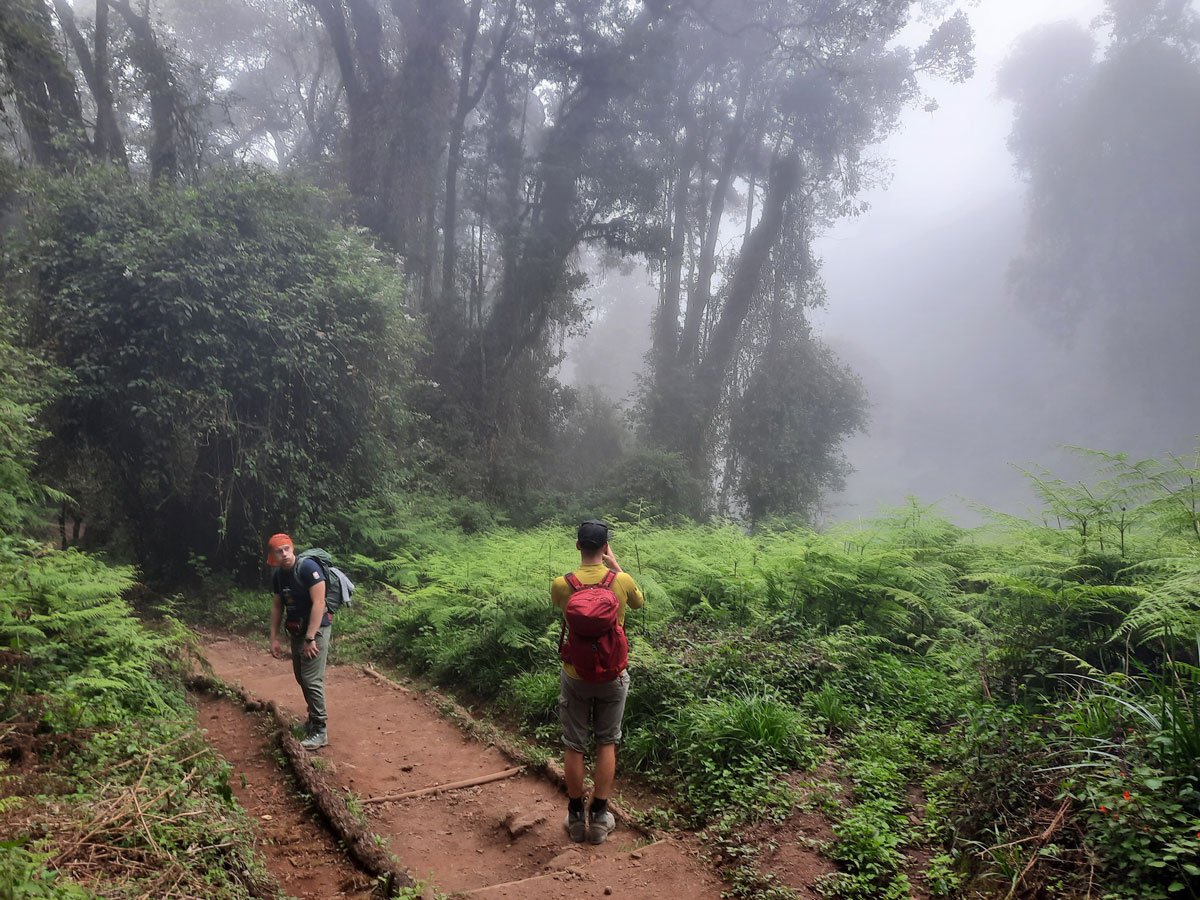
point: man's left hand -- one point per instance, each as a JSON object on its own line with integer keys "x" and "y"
{"x": 311, "y": 650}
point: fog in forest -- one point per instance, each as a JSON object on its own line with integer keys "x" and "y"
{"x": 969, "y": 382}
{"x": 799, "y": 261}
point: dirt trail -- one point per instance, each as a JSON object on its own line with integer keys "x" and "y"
{"x": 500, "y": 839}
{"x": 308, "y": 863}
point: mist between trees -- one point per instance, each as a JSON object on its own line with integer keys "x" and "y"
{"x": 311, "y": 267}
{"x": 479, "y": 149}
{"x": 288, "y": 255}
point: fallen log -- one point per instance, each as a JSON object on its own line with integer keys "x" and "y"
{"x": 330, "y": 803}
{"x": 449, "y": 786}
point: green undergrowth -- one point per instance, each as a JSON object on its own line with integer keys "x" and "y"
{"x": 988, "y": 696}
{"x": 110, "y": 787}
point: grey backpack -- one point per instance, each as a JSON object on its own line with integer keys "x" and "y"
{"x": 339, "y": 589}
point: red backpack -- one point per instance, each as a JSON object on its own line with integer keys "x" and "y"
{"x": 592, "y": 639}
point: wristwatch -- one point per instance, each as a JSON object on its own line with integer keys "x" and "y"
{"x": 311, "y": 640}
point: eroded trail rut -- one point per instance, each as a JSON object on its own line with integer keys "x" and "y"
{"x": 500, "y": 839}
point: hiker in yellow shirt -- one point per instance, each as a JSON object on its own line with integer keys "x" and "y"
{"x": 593, "y": 683}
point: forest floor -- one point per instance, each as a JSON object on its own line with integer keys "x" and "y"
{"x": 504, "y": 838}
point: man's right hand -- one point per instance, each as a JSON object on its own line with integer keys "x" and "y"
{"x": 276, "y": 648}
{"x": 611, "y": 561}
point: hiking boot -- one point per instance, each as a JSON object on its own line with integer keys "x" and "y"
{"x": 600, "y": 825}
{"x": 576, "y": 826}
{"x": 315, "y": 740}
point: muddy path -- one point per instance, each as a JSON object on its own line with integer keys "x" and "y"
{"x": 503, "y": 838}
{"x": 306, "y": 860}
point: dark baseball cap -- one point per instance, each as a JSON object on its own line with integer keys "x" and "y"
{"x": 593, "y": 534}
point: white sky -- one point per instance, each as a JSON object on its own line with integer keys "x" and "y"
{"x": 919, "y": 335}
{"x": 944, "y": 158}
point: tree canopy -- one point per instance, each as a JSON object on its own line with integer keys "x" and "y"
{"x": 492, "y": 148}
{"x": 1107, "y": 138}
{"x": 240, "y": 363}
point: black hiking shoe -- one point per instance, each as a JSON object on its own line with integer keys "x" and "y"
{"x": 576, "y": 826}
{"x": 600, "y": 826}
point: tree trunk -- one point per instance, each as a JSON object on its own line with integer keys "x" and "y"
{"x": 44, "y": 88}
{"x": 666, "y": 323}
{"x": 454, "y": 159}
{"x": 742, "y": 287}
{"x": 169, "y": 156}
{"x": 424, "y": 124}
{"x": 701, "y": 293}
{"x": 107, "y": 141}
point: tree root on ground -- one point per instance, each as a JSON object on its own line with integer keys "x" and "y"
{"x": 360, "y": 842}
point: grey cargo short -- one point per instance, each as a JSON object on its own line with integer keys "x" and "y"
{"x": 598, "y": 704}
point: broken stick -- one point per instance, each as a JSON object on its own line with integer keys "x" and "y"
{"x": 451, "y": 786}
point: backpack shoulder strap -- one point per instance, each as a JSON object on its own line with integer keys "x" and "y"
{"x": 609, "y": 577}
{"x": 575, "y": 583}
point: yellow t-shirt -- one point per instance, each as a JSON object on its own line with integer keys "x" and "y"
{"x": 629, "y": 596}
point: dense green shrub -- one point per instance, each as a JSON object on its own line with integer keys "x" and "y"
{"x": 729, "y": 753}
{"x": 239, "y": 365}
{"x": 533, "y": 696}
{"x": 1134, "y": 751}
{"x": 931, "y": 657}
{"x": 99, "y": 695}
{"x": 26, "y": 384}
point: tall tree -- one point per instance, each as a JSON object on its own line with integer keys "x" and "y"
{"x": 1107, "y": 138}
{"x": 62, "y": 131}
{"x": 108, "y": 141}
{"x": 790, "y": 98}
{"x": 44, "y": 86}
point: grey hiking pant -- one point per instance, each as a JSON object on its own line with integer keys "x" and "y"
{"x": 310, "y": 675}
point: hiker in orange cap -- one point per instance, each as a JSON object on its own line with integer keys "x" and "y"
{"x": 299, "y": 605}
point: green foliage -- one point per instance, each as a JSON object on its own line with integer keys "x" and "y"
{"x": 871, "y": 834}
{"x": 74, "y": 645}
{"x": 914, "y": 656}
{"x": 830, "y": 709}
{"x": 26, "y": 384}
{"x": 1136, "y": 742}
{"x": 730, "y": 752}
{"x": 23, "y": 874}
{"x": 138, "y": 803}
{"x": 533, "y": 696}
{"x": 788, "y": 426}
{"x": 152, "y": 789}
{"x": 239, "y": 365}
{"x": 656, "y": 481}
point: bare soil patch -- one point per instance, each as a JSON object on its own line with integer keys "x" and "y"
{"x": 504, "y": 838}
{"x": 302, "y": 856}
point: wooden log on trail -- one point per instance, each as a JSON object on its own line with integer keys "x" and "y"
{"x": 360, "y": 842}
{"x": 449, "y": 786}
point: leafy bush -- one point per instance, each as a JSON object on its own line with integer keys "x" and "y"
{"x": 1137, "y": 778}
{"x": 831, "y": 710}
{"x": 654, "y": 481}
{"x": 731, "y": 751}
{"x": 533, "y": 696}
{"x": 928, "y": 654}
{"x": 239, "y": 365}
{"x": 74, "y": 646}
{"x": 24, "y": 874}
{"x": 139, "y": 804}
{"x": 26, "y": 384}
